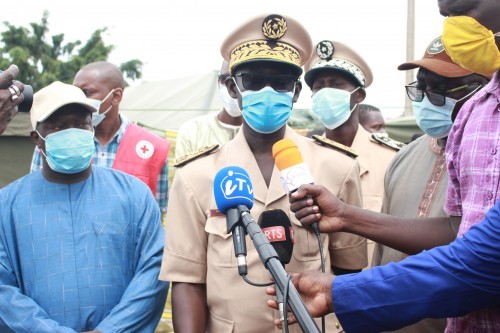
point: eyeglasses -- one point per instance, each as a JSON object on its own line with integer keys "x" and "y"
{"x": 222, "y": 77}
{"x": 253, "y": 81}
{"x": 438, "y": 98}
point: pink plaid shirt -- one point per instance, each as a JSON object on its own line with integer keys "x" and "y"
{"x": 472, "y": 156}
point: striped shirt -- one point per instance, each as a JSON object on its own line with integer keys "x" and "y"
{"x": 105, "y": 155}
{"x": 473, "y": 161}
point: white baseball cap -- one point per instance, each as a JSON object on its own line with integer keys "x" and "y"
{"x": 54, "y": 96}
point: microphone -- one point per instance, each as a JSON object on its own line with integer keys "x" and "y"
{"x": 232, "y": 189}
{"x": 276, "y": 225}
{"x": 294, "y": 172}
{"x": 233, "y": 194}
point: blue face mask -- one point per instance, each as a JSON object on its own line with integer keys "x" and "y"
{"x": 435, "y": 121}
{"x": 266, "y": 110}
{"x": 97, "y": 117}
{"x": 332, "y": 106}
{"x": 69, "y": 151}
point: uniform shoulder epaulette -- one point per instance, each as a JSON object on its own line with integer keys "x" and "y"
{"x": 384, "y": 140}
{"x": 185, "y": 159}
{"x": 335, "y": 145}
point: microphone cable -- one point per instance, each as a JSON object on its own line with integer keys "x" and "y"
{"x": 256, "y": 284}
{"x": 322, "y": 257}
{"x": 285, "y": 300}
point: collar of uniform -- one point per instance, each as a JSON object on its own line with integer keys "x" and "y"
{"x": 361, "y": 144}
{"x": 239, "y": 153}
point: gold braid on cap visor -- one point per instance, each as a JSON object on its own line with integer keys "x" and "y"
{"x": 262, "y": 49}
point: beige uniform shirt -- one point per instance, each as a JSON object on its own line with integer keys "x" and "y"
{"x": 202, "y": 131}
{"x": 374, "y": 158}
{"x": 198, "y": 249}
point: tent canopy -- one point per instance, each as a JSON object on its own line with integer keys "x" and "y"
{"x": 403, "y": 128}
{"x": 169, "y": 103}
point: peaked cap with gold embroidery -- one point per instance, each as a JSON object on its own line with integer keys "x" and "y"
{"x": 268, "y": 37}
{"x": 331, "y": 55}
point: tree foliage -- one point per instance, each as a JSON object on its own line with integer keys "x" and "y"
{"x": 43, "y": 59}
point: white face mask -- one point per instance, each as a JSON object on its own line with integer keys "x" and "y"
{"x": 97, "y": 117}
{"x": 230, "y": 104}
{"x": 332, "y": 106}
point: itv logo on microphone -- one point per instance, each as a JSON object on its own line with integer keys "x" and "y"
{"x": 233, "y": 187}
{"x": 236, "y": 184}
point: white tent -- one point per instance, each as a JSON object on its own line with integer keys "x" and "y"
{"x": 169, "y": 103}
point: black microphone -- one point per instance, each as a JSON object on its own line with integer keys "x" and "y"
{"x": 294, "y": 172}
{"x": 233, "y": 188}
{"x": 276, "y": 225}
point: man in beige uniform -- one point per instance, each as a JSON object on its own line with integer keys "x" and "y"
{"x": 211, "y": 129}
{"x": 265, "y": 56}
{"x": 338, "y": 76}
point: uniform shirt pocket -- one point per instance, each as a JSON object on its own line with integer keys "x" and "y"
{"x": 220, "y": 249}
{"x": 219, "y": 324}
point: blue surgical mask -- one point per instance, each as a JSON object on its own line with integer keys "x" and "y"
{"x": 70, "y": 150}
{"x": 332, "y": 106}
{"x": 97, "y": 117}
{"x": 266, "y": 110}
{"x": 435, "y": 121}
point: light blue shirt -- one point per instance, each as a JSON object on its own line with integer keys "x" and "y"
{"x": 80, "y": 257}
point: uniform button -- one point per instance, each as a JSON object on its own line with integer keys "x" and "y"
{"x": 490, "y": 196}
{"x": 493, "y": 151}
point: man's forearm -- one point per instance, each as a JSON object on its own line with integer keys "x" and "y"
{"x": 189, "y": 307}
{"x": 408, "y": 235}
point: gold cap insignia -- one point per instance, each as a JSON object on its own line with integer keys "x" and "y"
{"x": 335, "y": 145}
{"x": 274, "y": 27}
{"x": 261, "y": 49}
{"x": 325, "y": 49}
{"x": 185, "y": 159}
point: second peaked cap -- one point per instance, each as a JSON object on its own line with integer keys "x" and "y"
{"x": 332, "y": 55}
{"x": 269, "y": 37}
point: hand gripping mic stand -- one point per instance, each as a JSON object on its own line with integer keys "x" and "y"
{"x": 270, "y": 259}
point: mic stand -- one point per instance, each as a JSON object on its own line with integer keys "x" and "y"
{"x": 234, "y": 225}
{"x": 270, "y": 259}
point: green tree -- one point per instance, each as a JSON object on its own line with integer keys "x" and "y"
{"x": 43, "y": 59}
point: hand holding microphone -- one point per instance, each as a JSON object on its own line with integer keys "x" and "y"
{"x": 294, "y": 172}
{"x": 312, "y": 203}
